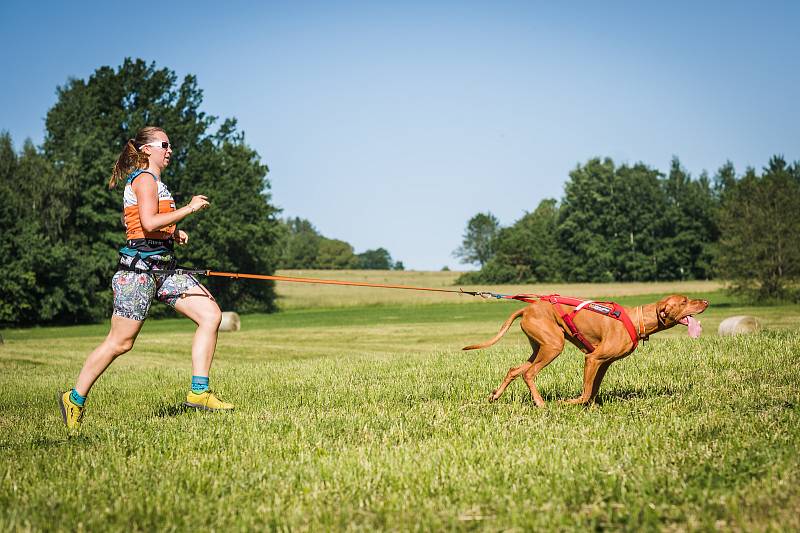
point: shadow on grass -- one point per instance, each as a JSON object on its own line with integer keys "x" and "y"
{"x": 614, "y": 395}
{"x": 170, "y": 411}
{"x": 20, "y": 362}
{"x": 46, "y": 443}
{"x": 634, "y": 394}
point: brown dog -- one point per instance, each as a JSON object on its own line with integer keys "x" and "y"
{"x": 546, "y": 331}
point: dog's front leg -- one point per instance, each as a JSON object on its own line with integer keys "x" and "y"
{"x": 594, "y": 369}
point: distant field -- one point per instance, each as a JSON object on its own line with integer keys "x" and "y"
{"x": 370, "y": 417}
{"x": 302, "y": 295}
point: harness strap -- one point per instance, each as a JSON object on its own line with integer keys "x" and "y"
{"x": 573, "y": 329}
{"x": 609, "y": 309}
{"x": 170, "y": 266}
{"x": 205, "y": 294}
{"x": 139, "y": 171}
{"x": 626, "y": 321}
{"x": 172, "y": 269}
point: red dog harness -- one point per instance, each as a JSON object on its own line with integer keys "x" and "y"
{"x": 609, "y": 309}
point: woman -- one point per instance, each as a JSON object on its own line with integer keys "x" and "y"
{"x": 150, "y": 217}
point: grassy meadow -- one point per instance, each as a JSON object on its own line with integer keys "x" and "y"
{"x": 357, "y": 410}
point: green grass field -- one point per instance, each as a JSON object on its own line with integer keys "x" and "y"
{"x": 366, "y": 415}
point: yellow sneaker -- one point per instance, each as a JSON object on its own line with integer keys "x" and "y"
{"x": 207, "y": 401}
{"x": 71, "y": 413}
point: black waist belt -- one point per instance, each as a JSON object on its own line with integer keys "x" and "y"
{"x": 147, "y": 245}
{"x": 147, "y": 265}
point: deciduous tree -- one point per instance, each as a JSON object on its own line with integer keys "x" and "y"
{"x": 477, "y": 245}
{"x": 87, "y": 128}
{"x": 378, "y": 259}
{"x": 759, "y": 248}
{"x": 526, "y": 252}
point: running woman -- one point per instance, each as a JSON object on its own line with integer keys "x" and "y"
{"x": 150, "y": 219}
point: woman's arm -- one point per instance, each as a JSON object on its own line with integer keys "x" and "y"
{"x": 147, "y": 198}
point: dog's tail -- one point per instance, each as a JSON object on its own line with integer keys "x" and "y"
{"x": 497, "y": 337}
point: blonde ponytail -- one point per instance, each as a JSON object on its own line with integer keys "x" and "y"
{"x": 131, "y": 158}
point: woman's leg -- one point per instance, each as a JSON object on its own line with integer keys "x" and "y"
{"x": 196, "y": 303}
{"x": 119, "y": 340}
{"x": 205, "y": 312}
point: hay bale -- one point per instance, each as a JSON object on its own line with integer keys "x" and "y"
{"x": 737, "y": 325}
{"x": 230, "y": 321}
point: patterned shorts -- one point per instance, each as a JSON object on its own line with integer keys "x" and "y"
{"x": 134, "y": 291}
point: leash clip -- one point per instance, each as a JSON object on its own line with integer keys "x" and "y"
{"x": 487, "y": 295}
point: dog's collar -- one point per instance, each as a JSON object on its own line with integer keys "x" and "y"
{"x": 641, "y": 328}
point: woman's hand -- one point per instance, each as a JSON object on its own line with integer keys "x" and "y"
{"x": 146, "y": 191}
{"x": 198, "y": 202}
{"x": 181, "y": 237}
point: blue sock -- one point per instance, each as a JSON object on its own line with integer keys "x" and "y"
{"x": 199, "y": 384}
{"x": 76, "y": 398}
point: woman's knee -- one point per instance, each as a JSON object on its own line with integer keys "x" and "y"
{"x": 120, "y": 346}
{"x": 211, "y": 317}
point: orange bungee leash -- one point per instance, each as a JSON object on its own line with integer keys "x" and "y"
{"x": 237, "y": 275}
{"x": 610, "y": 309}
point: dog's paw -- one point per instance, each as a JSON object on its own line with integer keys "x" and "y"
{"x": 493, "y": 396}
{"x": 573, "y": 401}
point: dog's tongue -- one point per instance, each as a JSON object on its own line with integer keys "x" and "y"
{"x": 695, "y": 329}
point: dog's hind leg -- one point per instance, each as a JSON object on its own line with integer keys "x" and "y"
{"x": 544, "y": 358}
{"x": 513, "y": 373}
{"x": 549, "y": 339}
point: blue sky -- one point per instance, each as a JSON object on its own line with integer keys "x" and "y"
{"x": 391, "y": 124}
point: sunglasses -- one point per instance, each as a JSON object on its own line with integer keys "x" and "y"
{"x": 158, "y": 144}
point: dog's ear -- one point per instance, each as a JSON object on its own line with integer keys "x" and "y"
{"x": 665, "y": 308}
{"x": 661, "y": 310}
{"x": 671, "y": 307}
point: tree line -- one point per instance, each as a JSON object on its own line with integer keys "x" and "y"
{"x": 634, "y": 223}
{"x": 304, "y": 247}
